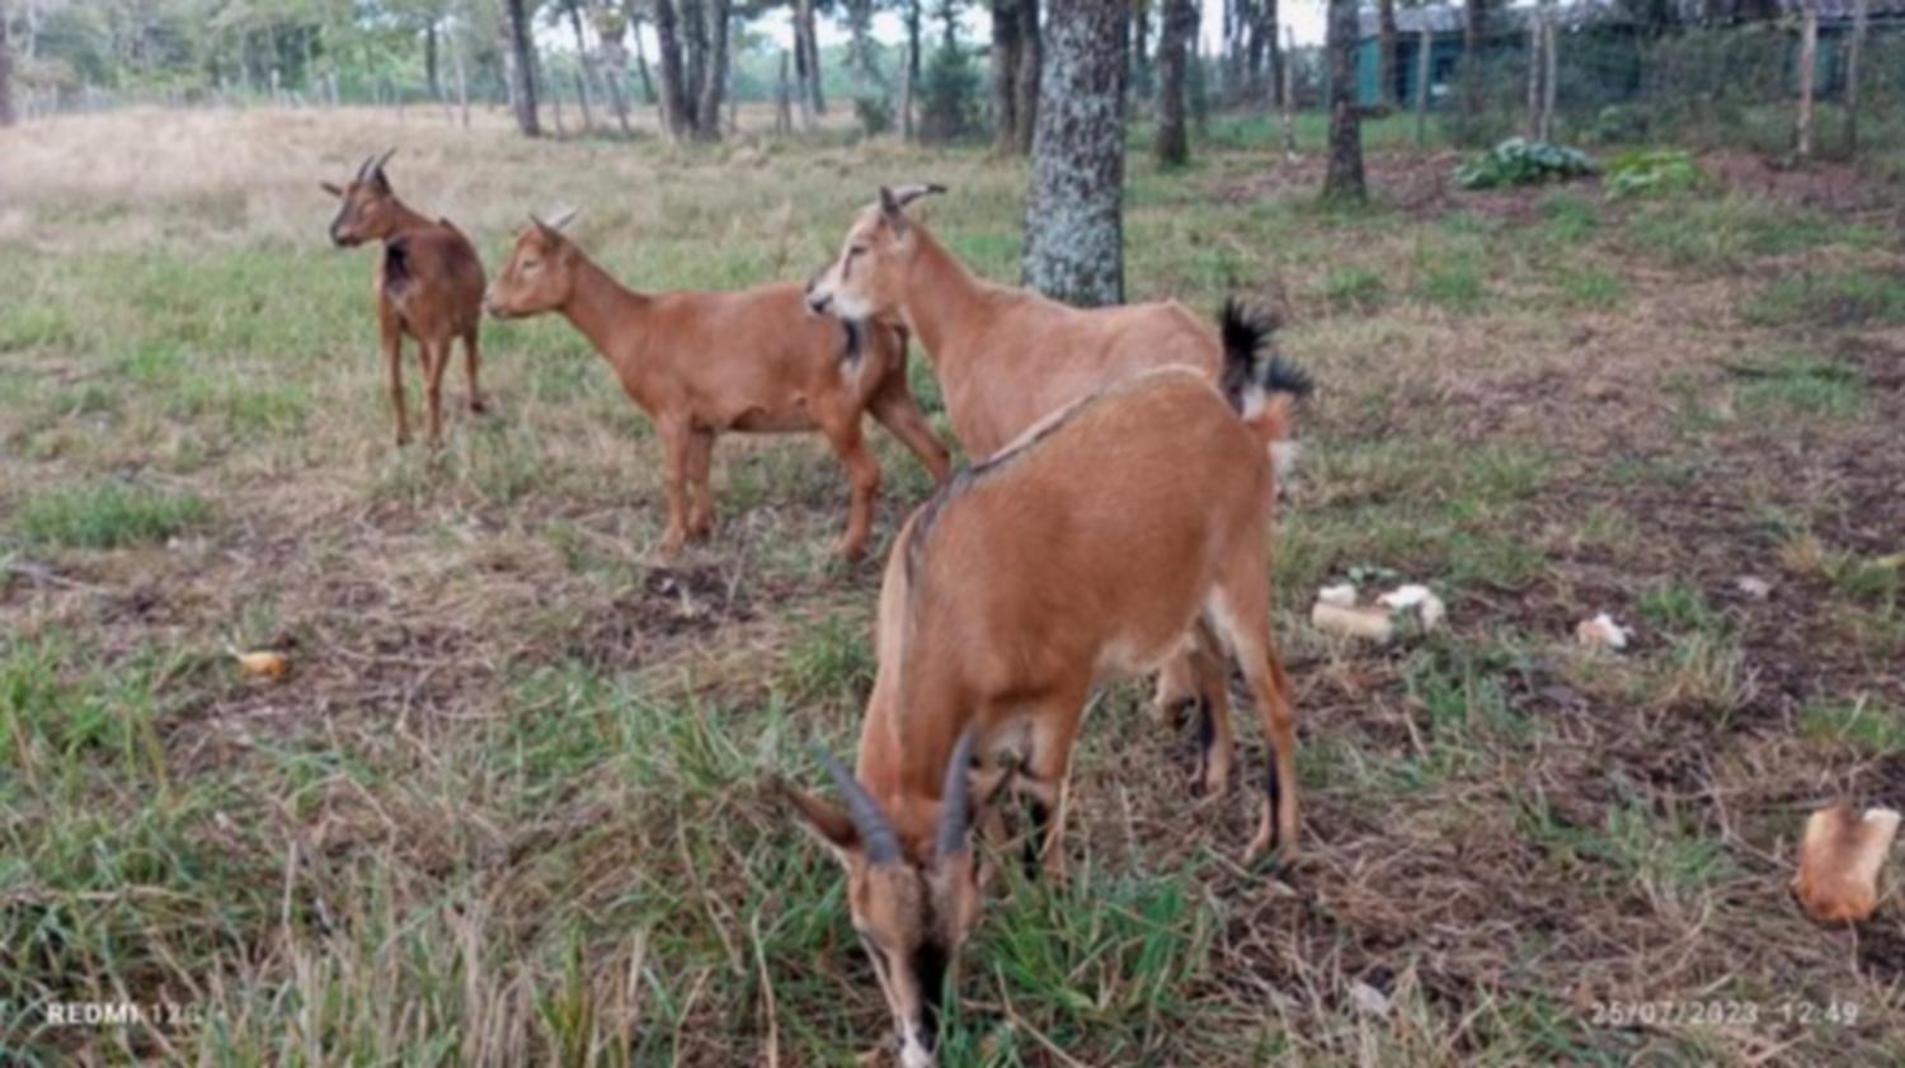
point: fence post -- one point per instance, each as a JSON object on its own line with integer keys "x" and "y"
{"x": 1808, "y": 65}
{"x": 1549, "y": 38}
{"x": 1424, "y": 52}
{"x": 1532, "y": 127}
{"x": 1289, "y": 94}
{"x": 1852, "y": 79}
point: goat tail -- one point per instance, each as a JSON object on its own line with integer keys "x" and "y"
{"x": 1257, "y": 381}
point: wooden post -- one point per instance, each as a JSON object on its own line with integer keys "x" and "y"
{"x": 1425, "y": 53}
{"x": 1289, "y": 94}
{"x": 1852, "y": 79}
{"x": 1808, "y": 66}
{"x": 1550, "y": 39}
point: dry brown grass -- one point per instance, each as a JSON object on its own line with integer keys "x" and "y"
{"x": 504, "y": 808}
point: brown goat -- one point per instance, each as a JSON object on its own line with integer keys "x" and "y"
{"x": 701, "y": 364}
{"x": 1085, "y": 551}
{"x": 1007, "y": 358}
{"x": 429, "y": 284}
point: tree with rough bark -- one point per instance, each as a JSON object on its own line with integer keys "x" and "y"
{"x": 1344, "y": 180}
{"x": 522, "y": 66}
{"x": 1074, "y": 217}
{"x": 1174, "y": 46}
{"x": 1008, "y": 41}
{"x": 1025, "y": 110}
{"x": 675, "y": 115}
{"x": 6, "y": 68}
{"x": 713, "y": 69}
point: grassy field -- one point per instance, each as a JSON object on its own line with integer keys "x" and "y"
{"x": 506, "y": 807}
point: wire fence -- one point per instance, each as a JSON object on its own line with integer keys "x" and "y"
{"x": 1602, "y": 82}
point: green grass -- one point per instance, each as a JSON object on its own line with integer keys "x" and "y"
{"x": 1830, "y": 299}
{"x": 1862, "y": 723}
{"x": 508, "y": 805}
{"x": 109, "y": 515}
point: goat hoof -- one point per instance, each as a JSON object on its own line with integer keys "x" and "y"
{"x": 479, "y": 406}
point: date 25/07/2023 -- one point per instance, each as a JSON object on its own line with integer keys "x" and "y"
{"x": 1722, "y": 1013}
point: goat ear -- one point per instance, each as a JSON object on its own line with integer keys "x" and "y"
{"x": 332, "y": 188}
{"x": 826, "y": 822}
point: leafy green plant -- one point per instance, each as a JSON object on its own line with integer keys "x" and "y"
{"x": 1518, "y": 161}
{"x": 1651, "y": 172}
{"x": 875, "y": 114}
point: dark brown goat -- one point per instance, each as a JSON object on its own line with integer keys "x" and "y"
{"x": 429, "y": 285}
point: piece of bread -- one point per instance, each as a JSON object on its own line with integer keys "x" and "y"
{"x": 1839, "y": 861}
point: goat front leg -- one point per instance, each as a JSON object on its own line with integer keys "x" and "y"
{"x": 436, "y": 357}
{"x": 843, "y": 432}
{"x": 1045, "y": 777}
{"x": 391, "y": 338}
{"x": 675, "y": 447}
{"x": 701, "y": 494}
{"x": 470, "y": 361}
{"x": 893, "y": 405}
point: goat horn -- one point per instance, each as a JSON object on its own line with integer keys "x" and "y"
{"x": 906, "y": 194}
{"x": 383, "y": 159}
{"x": 882, "y": 845}
{"x": 363, "y": 169}
{"x": 955, "y": 801}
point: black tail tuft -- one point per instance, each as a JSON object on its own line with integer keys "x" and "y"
{"x": 1246, "y": 336}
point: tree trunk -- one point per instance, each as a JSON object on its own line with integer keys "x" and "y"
{"x": 1174, "y": 40}
{"x": 641, "y": 52}
{"x": 783, "y": 101}
{"x": 1074, "y": 227}
{"x": 807, "y": 40}
{"x": 1140, "y": 75}
{"x": 522, "y": 67}
{"x": 1386, "y": 53}
{"x": 1007, "y": 42}
{"x": 714, "y": 71}
{"x": 585, "y": 66}
{"x": 462, "y": 79}
{"x": 1275, "y": 54}
{"x": 1344, "y": 182}
{"x": 430, "y": 60}
{"x": 6, "y": 69}
{"x": 1031, "y": 53}
{"x": 674, "y": 102}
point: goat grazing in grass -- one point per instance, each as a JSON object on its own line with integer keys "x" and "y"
{"x": 1088, "y": 549}
{"x": 1006, "y": 358}
{"x": 429, "y": 285}
{"x": 701, "y": 364}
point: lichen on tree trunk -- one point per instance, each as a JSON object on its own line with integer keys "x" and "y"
{"x": 1074, "y": 225}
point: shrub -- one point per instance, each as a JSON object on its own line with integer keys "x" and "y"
{"x": 1521, "y": 162}
{"x": 949, "y": 99}
{"x": 875, "y": 114}
{"x": 1651, "y": 172}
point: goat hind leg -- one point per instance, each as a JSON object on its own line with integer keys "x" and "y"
{"x": 436, "y": 357}
{"x": 471, "y": 359}
{"x": 392, "y": 341}
{"x": 843, "y": 433}
{"x": 1244, "y": 621}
